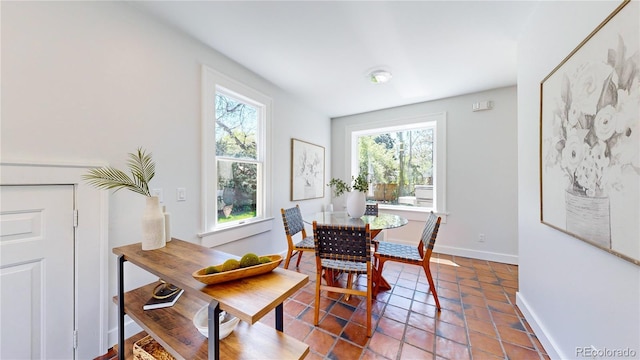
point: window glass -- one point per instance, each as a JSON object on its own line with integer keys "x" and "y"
{"x": 237, "y": 191}
{"x": 236, "y": 128}
{"x": 404, "y": 160}
{"x": 399, "y": 163}
{"x": 236, "y": 134}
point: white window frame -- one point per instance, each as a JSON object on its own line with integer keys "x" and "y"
{"x": 213, "y": 82}
{"x": 436, "y": 120}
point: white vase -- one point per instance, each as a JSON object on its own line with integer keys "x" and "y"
{"x": 356, "y": 204}
{"x": 153, "y": 236}
{"x": 167, "y": 224}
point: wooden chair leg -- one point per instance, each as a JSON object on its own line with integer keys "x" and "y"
{"x": 432, "y": 286}
{"x": 316, "y": 316}
{"x": 299, "y": 258}
{"x": 286, "y": 262}
{"x": 369, "y": 305}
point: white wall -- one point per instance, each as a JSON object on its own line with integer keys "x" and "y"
{"x": 481, "y": 172}
{"x": 572, "y": 293}
{"x": 92, "y": 81}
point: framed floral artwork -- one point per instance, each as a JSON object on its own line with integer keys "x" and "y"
{"x": 590, "y": 138}
{"x": 307, "y": 170}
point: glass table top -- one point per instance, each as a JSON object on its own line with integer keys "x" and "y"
{"x": 380, "y": 222}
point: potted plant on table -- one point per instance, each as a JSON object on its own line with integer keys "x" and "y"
{"x": 142, "y": 169}
{"x": 356, "y": 199}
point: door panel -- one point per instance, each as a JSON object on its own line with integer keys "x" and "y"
{"x": 36, "y": 272}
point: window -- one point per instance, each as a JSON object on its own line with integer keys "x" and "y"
{"x": 399, "y": 164}
{"x": 235, "y": 167}
{"x": 404, "y": 161}
{"x": 237, "y": 162}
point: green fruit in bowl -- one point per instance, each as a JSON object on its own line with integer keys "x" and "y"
{"x": 249, "y": 259}
{"x": 264, "y": 259}
{"x": 211, "y": 270}
{"x": 230, "y": 264}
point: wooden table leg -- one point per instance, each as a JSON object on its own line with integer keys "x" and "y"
{"x": 331, "y": 277}
{"x": 384, "y": 285}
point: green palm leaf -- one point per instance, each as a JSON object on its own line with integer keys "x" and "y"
{"x": 142, "y": 170}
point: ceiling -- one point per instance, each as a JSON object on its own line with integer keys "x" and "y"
{"x": 322, "y": 51}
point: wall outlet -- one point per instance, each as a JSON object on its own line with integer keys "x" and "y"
{"x": 481, "y": 237}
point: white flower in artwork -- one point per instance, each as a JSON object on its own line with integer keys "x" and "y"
{"x": 586, "y": 87}
{"x": 591, "y": 168}
{"x": 605, "y": 123}
{"x": 595, "y": 135}
{"x": 309, "y": 167}
{"x": 573, "y": 152}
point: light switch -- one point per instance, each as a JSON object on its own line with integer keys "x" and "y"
{"x": 181, "y": 194}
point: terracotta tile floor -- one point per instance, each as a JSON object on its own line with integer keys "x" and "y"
{"x": 479, "y": 319}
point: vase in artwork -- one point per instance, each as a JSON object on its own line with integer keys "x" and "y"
{"x": 588, "y": 217}
{"x": 356, "y": 204}
{"x": 153, "y": 231}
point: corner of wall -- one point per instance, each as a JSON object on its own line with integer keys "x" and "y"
{"x": 538, "y": 327}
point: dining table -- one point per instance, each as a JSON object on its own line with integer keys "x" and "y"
{"x": 377, "y": 223}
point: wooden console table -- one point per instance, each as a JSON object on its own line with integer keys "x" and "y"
{"x": 248, "y": 299}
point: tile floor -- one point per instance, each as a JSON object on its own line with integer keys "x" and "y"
{"x": 479, "y": 319}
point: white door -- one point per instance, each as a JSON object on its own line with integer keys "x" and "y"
{"x": 36, "y": 272}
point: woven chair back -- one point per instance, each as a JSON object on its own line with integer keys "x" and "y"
{"x": 292, "y": 220}
{"x": 343, "y": 243}
{"x": 430, "y": 231}
{"x": 371, "y": 209}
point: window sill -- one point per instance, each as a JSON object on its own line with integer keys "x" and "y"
{"x": 226, "y": 235}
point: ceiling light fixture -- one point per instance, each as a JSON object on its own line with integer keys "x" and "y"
{"x": 379, "y": 76}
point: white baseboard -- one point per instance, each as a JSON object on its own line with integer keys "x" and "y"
{"x": 538, "y": 328}
{"x": 477, "y": 254}
{"x": 470, "y": 253}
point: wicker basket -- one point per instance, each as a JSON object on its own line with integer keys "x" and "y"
{"x": 149, "y": 349}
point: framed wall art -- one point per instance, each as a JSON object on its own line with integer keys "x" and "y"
{"x": 590, "y": 138}
{"x": 307, "y": 170}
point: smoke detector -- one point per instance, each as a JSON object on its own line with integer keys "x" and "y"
{"x": 380, "y": 76}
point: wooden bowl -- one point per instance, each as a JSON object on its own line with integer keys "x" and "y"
{"x": 240, "y": 273}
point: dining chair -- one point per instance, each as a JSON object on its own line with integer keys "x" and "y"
{"x": 344, "y": 249}
{"x": 407, "y": 254}
{"x": 293, "y": 225}
{"x": 371, "y": 209}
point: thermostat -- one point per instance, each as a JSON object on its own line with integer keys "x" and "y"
{"x": 482, "y": 105}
